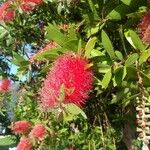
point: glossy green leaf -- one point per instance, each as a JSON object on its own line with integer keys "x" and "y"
{"x": 19, "y": 60}
{"x": 49, "y": 54}
{"x": 106, "y": 80}
{"x": 131, "y": 59}
{"x": 127, "y": 2}
{"x": 74, "y": 109}
{"x": 96, "y": 53}
{"x": 93, "y": 8}
{"x": 119, "y": 12}
{"x": 79, "y": 45}
{"x": 120, "y": 74}
{"x": 134, "y": 40}
{"x": 144, "y": 56}
{"x": 68, "y": 117}
{"x": 119, "y": 55}
{"x": 54, "y": 34}
{"x": 3, "y": 32}
{"x": 89, "y": 46}
{"x": 72, "y": 32}
{"x": 71, "y": 45}
{"x": 103, "y": 68}
{"x": 108, "y": 45}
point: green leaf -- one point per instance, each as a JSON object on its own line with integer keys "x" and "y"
{"x": 93, "y": 30}
{"x": 72, "y": 32}
{"x": 127, "y": 2}
{"x": 119, "y": 12}
{"x": 71, "y": 45}
{"x": 54, "y": 34}
{"x": 132, "y": 3}
{"x": 119, "y": 55}
{"x": 144, "y": 56}
{"x": 68, "y": 117}
{"x": 103, "y": 68}
{"x": 106, "y": 80}
{"x": 134, "y": 40}
{"x": 120, "y": 74}
{"x": 96, "y": 53}
{"x": 131, "y": 59}
{"x": 3, "y": 32}
{"x": 107, "y": 44}
{"x": 93, "y": 8}
{"x": 89, "y": 46}
{"x": 19, "y": 60}
{"x": 79, "y": 45}
{"x": 50, "y": 54}
{"x": 75, "y": 110}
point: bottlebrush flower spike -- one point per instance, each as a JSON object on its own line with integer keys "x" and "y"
{"x": 6, "y": 12}
{"x": 71, "y": 71}
{"x": 28, "y": 5}
{"x": 49, "y": 46}
{"x": 24, "y": 144}
{"x": 21, "y": 127}
{"x": 144, "y": 28}
{"x": 38, "y": 132}
{"x": 5, "y": 85}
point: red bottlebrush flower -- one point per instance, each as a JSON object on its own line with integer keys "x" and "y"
{"x": 24, "y": 144}
{"x": 38, "y": 132}
{"x": 28, "y": 5}
{"x": 49, "y": 46}
{"x": 6, "y": 13}
{"x": 4, "y": 85}
{"x": 21, "y": 127}
{"x": 71, "y": 71}
{"x": 144, "y": 28}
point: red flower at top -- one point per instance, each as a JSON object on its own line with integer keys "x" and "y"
{"x": 4, "y": 85}
{"x": 24, "y": 144}
{"x": 144, "y": 27}
{"x": 6, "y": 12}
{"x": 28, "y": 5}
{"x": 73, "y": 72}
{"x": 38, "y": 132}
{"x": 21, "y": 127}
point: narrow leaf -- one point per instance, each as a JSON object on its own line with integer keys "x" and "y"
{"x": 119, "y": 55}
{"x": 49, "y": 54}
{"x": 75, "y": 110}
{"x": 54, "y": 34}
{"x": 119, "y": 12}
{"x": 93, "y": 8}
{"x": 131, "y": 59}
{"x": 89, "y": 46}
{"x": 106, "y": 80}
{"x": 144, "y": 56}
{"x": 127, "y": 2}
{"x": 108, "y": 45}
{"x": 120, "y": 74}
{"x": 19, "y": 60}
{"x": 134, "y": 40}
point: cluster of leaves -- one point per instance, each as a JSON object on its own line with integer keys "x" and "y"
{"x": 104, "y": 32}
